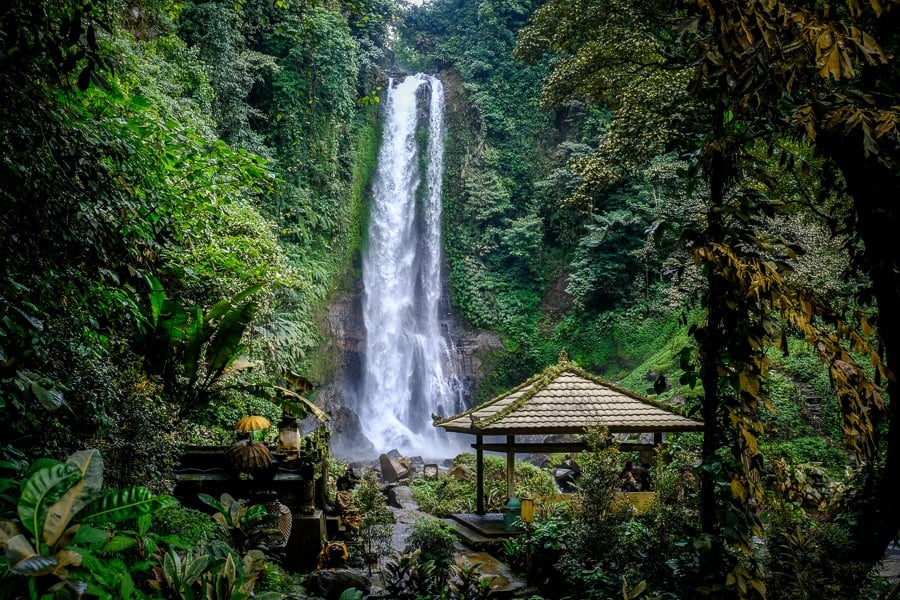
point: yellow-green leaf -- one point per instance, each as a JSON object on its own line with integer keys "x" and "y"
{"x": 60, "y": 513}
{"x": 749, "y": 384}
{"x": 738, "y": 490}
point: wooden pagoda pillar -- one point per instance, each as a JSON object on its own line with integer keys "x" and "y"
{"x": 479, "y": 474}
{"x": 510, "y": 466}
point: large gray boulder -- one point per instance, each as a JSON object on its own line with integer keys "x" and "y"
{"x": 391, "y": 469}
{"x": 401, "y": 496}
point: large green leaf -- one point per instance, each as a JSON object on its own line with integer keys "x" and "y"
{"x": 49, "y": 398}
{"x": 90, "y": 536}
{"x": 195, "y": 568}
{"x": 182, "y": 571}
{"x": 60, "y": 514}
{"x": 42, "y": 489}
{"x": 122, "y": 505}
{"x": 167, "y": 337}
{"x": 172, "y": 322}
{"x": 157, "y": 299}
{"x": 220, "y": 308}
{"x": 126, "y": 585}
{"x": 226, "y": 342}
{"x": 254, "y": 513}
{"x": 194, "y": 338}
{"x": 212, "y": 502}
{"x": 118, "y": 543}
{"x": 40, "y": 463}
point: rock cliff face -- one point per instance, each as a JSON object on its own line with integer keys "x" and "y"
{"x": 345, "y": 337}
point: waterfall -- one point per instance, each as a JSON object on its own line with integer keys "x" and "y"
{"x": 409, "y": 372}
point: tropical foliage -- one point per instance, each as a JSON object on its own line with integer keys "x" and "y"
{"x": 693, "y": 144}
{"x": 170, "y": 232}
{"x": 692, "y": 198}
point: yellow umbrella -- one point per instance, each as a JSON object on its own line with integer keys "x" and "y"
{"x": 252, "y": 423}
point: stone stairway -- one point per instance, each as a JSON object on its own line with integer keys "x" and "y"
{"x": 480, "y": 542}
{"x": 481, "y": 532}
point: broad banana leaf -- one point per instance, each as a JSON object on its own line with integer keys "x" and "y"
{"x": 157, "y": 299}
{"x": 298, "y": 381}
{"x": 122, "y": 505}
{"x": 299, "y": 406}
{"x": 165, "y": 339}
{"x": 42, "y": 489}
{"x": 225, "y": 344}
{"x": 218, "y": 310}
{"x": 172, "y": 323}
{"x": 194, "y": 338}
{"x": 60, "y": 514}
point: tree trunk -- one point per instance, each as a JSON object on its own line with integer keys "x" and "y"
{"x": 710, "y": 342}
{"x": 875, "y": 189}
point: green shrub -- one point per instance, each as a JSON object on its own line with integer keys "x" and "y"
{"x": 530, "y": 481}
{"x": 276, "y": 579}
{"x": 545, "y": 544}
{"x": 407, "y": 577}
{"x": 606, "y": 544}
{"x": 809, "y": 558}
{"x": 411, "y": 577}
{"x": 813, "y": 450}
{"x": 445, "y": 496}
{"x": 376, "y": 526}
{"x": 448, "y": 495}
{"x": 193, "y": 526}
{"x": 435, "y": 542}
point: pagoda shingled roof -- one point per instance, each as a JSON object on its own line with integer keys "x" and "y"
{"x": 567, "y": 399}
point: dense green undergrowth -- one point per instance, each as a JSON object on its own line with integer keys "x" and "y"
{"x": 191, "y": 180}
{"x": 450, "y": 495}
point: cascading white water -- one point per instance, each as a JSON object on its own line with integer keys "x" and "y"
{"x": 409, "y": 372}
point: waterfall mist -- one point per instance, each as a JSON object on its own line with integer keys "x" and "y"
{"x": 409, "y": 373}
